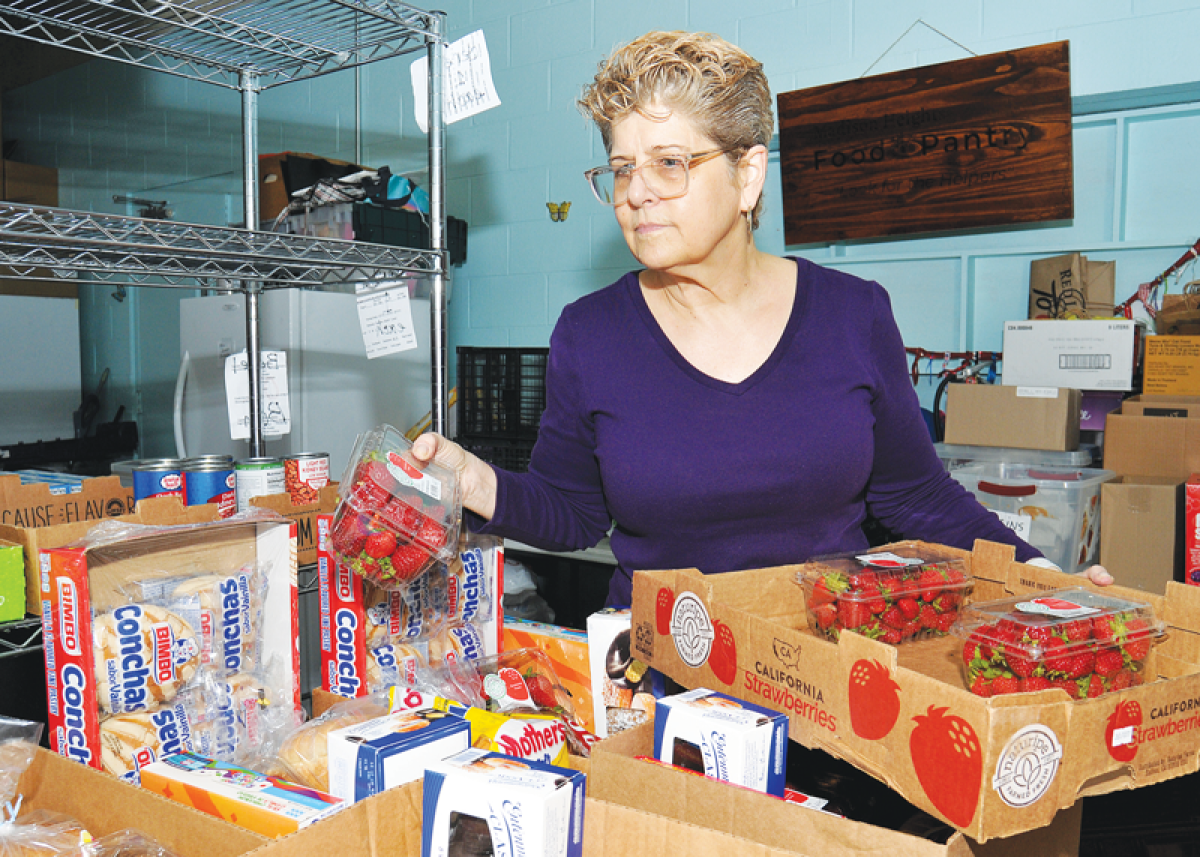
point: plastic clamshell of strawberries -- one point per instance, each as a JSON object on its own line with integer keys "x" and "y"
{"x": 394, "y": 521}
{"x": 898, "y": 594}
{"x": 1086, "y": 643}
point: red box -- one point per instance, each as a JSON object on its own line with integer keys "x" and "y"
{"x": 372, "y": 637}
{"x": 77, "y": 579}
{"x": 1191, "y": 530}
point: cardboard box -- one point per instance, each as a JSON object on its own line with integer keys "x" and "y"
{"x": 1081, "y": 355}
{"x": 36, "y": 519}
{"x": 1172, "y": 366}
{"x": 1191, "y": 530}
{"x": 30, "y": 184}
{"x": 1020, "y": 417}
{"x": 1071, "y": 286}
{"x": 304, "y": 516}
{"x": 75, "y": 581}
{"x": 1060, "y": 746}
{"x": 700, "y": 815}
{"x": 1141, "y": 534}
{"x": 1139, "y": 445}
{"x": 1186, "y": 407}
{"x": 12, "y": 581}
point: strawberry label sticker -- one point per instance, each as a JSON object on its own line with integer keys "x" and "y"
{"x": 1027, "y": 766}
{"x": 508, "y": 688}
{"x": 1059, "y": 608}
{"x": 406, "y": 474}
{"x": 888, "y": 560}
{"x": 691, "y": 629}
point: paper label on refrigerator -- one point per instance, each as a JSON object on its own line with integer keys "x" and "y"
{"x": 275, "y": 411}
{"x": 467, "y": 86}
{"x": 386, "y": 321}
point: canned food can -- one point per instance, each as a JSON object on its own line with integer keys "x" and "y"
{"x": 305, "y": 474}
{"x": 201, "y": 460}
{"x": 210, "y": 483}
{"x": 256, "y": 477}
{"x": 157, "y": 477}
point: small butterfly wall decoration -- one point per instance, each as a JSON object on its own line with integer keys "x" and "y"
{"x": 558, "y": 210}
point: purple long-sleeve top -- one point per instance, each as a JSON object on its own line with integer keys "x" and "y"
{"x": 693, "y": 472}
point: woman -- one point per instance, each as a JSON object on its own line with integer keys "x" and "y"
{"x": 723, "y": 408}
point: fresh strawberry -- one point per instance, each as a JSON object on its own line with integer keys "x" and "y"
{"x": 909, "y": 607}
{"x": 380, "y": 544}
{"x": 911, "y": 629}
{"x": 1020, "y": 663}
{"x": 893, "y": 618}
{"x": 1138, "y": 639}
{"x": 929, "y": 617}
{"x": 1005, "y": 684}
{"x": 1035, "y": 683}
{"x": 431, "y": 534}
{"x": 1095, "y": 687}
{"x": 981, "y": 686}
{"x": 348, "y": 537}
{"x": 1109, "y": 662}
{"x": 946, "y": 620}
{"x": 1066, "y": 684}
{"x": 873, "y": 598}
{"x": 1039, "y": 634}
{"x": 970, "y": 649}
{"x": 1078, "y": 630}
{"x": 1057, "y": 656}
{"x": 1080, "y": 664}
{"x": 1102, "y": 628}
{"x": 931, "y": 582}
{"x": 827, "y": 588}
{"x": 1121, "y": 680}
{"x": 541, "y": 690}
{"x": 826, "y": 614}
{"x": 852, "y": 614}
{"x": 407, "y": 562}
{"x": 891, "y": 636}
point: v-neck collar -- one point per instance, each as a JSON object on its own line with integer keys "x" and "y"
{"x": 749, "y": 382}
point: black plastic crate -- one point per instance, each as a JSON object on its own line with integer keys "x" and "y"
{"x": 399, "y": 227}
{"x": 501, "y": 392}
{"x": 511, "y": 455}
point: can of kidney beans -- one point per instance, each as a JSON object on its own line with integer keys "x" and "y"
{"x": 304, "y": 475}
{"x": 157, "y": 477}
{"x": 207, "y": 481}
{"x": 256, "y": 477}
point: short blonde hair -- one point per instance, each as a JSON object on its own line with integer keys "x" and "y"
{"x": 715, "y": 84}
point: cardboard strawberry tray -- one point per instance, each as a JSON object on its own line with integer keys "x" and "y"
{"x": 992, "y": 767}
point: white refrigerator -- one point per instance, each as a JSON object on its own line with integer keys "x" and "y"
{"x": 335, "y": 392}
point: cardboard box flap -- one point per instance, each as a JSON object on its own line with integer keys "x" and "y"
{"x": 609, "y": 828}
{"x": 55, "y": 783}
{"x": 34, "y": 506}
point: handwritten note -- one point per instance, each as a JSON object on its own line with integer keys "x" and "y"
{"x": 386, "y": 321}
{"x": 275, "y": 411}
{"x": 467, "y": 86}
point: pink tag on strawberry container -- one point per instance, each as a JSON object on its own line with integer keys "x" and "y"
{"x": 395, "y": 519}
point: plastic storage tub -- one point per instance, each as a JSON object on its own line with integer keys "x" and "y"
{"x": 895, "y": 594}
{"x": 394, "y": 521}
{"x": 1086, "y": 643}
{"x": 1055, "y": 509}
{"x": 957, "y": 454}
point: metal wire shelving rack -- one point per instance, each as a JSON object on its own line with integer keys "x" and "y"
{"x": 250, "y": 46}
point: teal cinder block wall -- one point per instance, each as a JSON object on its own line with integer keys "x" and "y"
{"x": 112, "y": 129}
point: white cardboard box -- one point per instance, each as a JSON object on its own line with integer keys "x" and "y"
{"x": 1084, "y": 355}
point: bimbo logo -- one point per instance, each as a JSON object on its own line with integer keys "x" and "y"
{"x": 164, "y": 666}
{"x": 73, "y": 735}
{"x": 395, "y": 612}
{"x": 344, "y": 582}
{"x": 68, "y": 617}
{"x": 345, "y": 680}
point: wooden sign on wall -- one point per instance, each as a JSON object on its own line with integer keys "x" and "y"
{"x": 978, "y": 142}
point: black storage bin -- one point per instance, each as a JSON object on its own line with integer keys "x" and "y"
{"x": 501, "y": 392}
{"x": 399, "y": 227}
{"x": 510, "y": 455}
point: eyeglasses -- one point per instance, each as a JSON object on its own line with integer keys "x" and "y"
{"x": 666, "y": 177}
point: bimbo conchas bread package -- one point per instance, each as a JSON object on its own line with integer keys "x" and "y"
{"x": 373, "y": 638}
{"x": 479, "y": 803}
{"x": 991, "y": 767}
{"x": 161, "y": 640}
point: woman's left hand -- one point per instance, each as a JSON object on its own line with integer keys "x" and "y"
{"x": 1098, "y": 575}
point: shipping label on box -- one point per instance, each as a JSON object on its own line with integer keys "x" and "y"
{"x": 1172, "y": 366}
{"x": 991, "y": 767}
{"x": 1083, "y": 355}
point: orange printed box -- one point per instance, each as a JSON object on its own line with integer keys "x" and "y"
{"x": 258, "y": 802}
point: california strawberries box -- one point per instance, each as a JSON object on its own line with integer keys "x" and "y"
{"x": 992, "y": 767}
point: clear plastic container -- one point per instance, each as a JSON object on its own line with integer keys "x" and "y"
{"x": 958, "y": 454}
{"x": 894, "y": 594}
{"x": 1055, "y": 509}
{"x": 394, "y": 521}
{"x": 1086, "y": 643}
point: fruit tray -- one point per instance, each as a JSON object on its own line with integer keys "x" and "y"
{"x": 907, "y": 592}
{"x": 394, "y": 521}
{"x": 1084, "y": 642}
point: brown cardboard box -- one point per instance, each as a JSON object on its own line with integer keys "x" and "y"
{"x": 36, "y": 519}
{"x": 1034, "y": 753}
{"x": 1141, "y": 535}
{"x": 1139, "y": 445}
{"x": 30, "y": 184}
{"x": 1020, "y": 417}
{"x": 304, "y": 516}
{"x": 1172, "y": 366}
{"x": 726, "y": 813}
{"x": 1162, "y": 406}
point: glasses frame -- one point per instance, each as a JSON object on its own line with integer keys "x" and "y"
{"x": 692, "y": 158}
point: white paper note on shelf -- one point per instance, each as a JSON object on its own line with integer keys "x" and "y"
{"x": 275, "y": 410}
{"x": 386, "y": 321}
{"x": 467, "y": 86}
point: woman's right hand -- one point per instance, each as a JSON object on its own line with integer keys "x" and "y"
{"x": 476, "y": 479}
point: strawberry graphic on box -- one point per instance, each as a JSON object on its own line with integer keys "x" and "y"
{"x": 906, "y": 592}
{"x": 874, "y": 699}
{"x": 395, "y": 520}
{"x": 722, "y": 660}
{"x": 1082, "y": 642}
{"x": 948, "y": 761}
